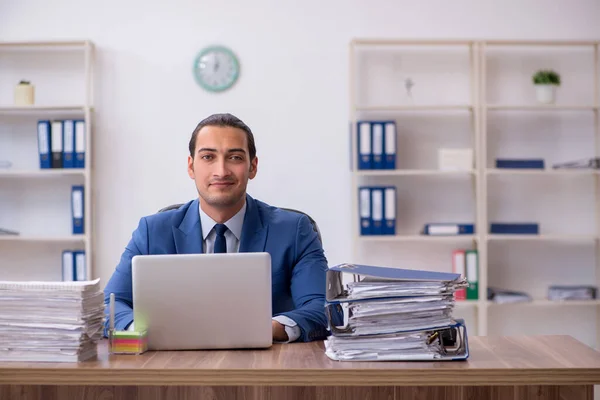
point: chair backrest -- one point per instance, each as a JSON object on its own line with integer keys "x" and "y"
{"x": 171, "y": 207}
{"x": 312, "y": 221}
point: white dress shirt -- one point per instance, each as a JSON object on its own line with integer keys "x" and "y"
{"x": 232, "y": 237}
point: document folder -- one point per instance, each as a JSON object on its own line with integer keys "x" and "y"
{"x": 377, "y": 145}
{"x": 533, "y": 163}
{"x": 338, "y": 292}
{"x": 68, "y": 144}
{"x": 79, "y": 263}
{"x": 79, "y": 144}
{"x": 389, "y": 201}
{"x": 365, "y": 142}
{"x": 440, "y": 344}
{"x": 390, "y": 145}
{"x": 377, "y": 209}
{"x": 68, "y": 266}
{"x": 364, "y": 205}
{"x": 77, "y": 209}
{"x": 44, "y": 142}
{"x": 57, "y": 144}
{"x": 448, "y": 229}
{"x": 386, "y": 313}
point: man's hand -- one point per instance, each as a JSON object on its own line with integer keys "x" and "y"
{"x": 279, "y": 334}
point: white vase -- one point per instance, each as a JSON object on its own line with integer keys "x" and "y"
{"x": 24, "y": 95}
{"x": 545, "y": 94}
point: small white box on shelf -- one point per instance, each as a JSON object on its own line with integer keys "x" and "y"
{"x": 455, "y": 159}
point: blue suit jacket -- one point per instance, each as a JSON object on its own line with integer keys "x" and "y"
{"x": 298, "y": 263}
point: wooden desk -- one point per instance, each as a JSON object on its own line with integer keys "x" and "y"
{"x": 557, "y": 367}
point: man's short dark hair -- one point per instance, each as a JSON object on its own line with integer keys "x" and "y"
{"x": 223, "y": 120}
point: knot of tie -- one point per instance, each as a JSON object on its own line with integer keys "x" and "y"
{"x": 220, "y": 229}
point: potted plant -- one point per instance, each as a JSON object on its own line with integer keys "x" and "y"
{"x": 546, "y": 82}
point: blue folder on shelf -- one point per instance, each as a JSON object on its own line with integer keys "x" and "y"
{"x": 448, "y": 229}
{"x": 56, "y": 143}
{"x": 69, "y": 144}
{"x": 79, "y": 264}
{"x": 378, "y": 144}
{"x": 77, "y": 209}
{"x": 364, "y": 210}
{"x": 533, "y": 163}
{"x": 79, "y": 144}
{"x": 377, "y": 210}
{"x": 68, "y": 266}
{"x": 389, "y": 214}
{"x": 44, "y": 141}
{"x": 514, "y": 228}
{"x": 365, "y": 145}
{"x": 389, "y": 142}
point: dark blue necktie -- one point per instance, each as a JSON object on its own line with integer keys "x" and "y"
{"x": 220, "y": 241}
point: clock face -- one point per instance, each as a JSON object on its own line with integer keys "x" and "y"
{"x": 216, "y": 68}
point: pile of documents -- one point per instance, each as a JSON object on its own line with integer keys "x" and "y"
{"x": 393, "y": 314}
{"x": 50, "y": 321}
{"x": 568, "y": 292}
{"x": 502, "y": 296}
{"x": 583, "y": 163}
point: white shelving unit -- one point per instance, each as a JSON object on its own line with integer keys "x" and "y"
{"x": 479, "y": 94}
{"x": 37, "y": 202}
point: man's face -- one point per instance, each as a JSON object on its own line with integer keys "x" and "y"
{"x": 221, "y": 165}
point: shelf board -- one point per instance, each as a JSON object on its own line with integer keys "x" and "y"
{"x": 569, "y": 43}
{"x": 541, "y": 107}
{"x": 541, "y": 237}
{"x": 37, "y": 109}
{"x": 549, "y": 303}
{"x": 466, "y": 303}
{"x": 410, "y": 42}
{"x": 423, "y": 107}
{"x": 43, "y": 239}
{"x": 48, "y": 44}
{"x": 416, "y": 238}
{"x": 539, "y": 171}
{"x": 42, "y": 173}
{"x": 411, "y": 172}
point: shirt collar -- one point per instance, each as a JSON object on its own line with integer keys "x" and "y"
{"x": 234, "y": 224}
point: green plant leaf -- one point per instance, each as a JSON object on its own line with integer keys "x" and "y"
{"x": 546, "y": 77}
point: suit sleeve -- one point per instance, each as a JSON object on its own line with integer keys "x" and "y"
{"x": 308, "y": 283}
{"x": 120, "y": 281}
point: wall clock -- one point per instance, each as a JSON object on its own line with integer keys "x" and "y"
{"x": 216, "y": 68}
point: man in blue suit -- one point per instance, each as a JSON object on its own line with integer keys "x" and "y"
{"x": 225, "y": 219}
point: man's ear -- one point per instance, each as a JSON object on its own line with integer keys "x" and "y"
{"x": 253, "y": 167}
{"x": 191, "y": 167}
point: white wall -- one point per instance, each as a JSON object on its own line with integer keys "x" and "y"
{"x": 293, "y": 91}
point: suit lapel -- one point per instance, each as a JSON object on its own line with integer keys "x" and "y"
{"x": 254, "y": 233}
{"x": 188, "y": 235}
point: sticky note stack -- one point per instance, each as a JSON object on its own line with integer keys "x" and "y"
{"x": 126, "y": 342}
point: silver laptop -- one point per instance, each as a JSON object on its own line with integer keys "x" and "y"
{"x": 203, "y": 301}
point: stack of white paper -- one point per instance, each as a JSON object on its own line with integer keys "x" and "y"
{"x": 393, "y": 314}
{"x": 50, "y": 321}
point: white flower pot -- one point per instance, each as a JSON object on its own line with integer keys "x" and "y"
{"x": 545, "y": 94}
{"x": 24, "y": 95}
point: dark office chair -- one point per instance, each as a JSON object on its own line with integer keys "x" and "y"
{"x": 312, "y": 221}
